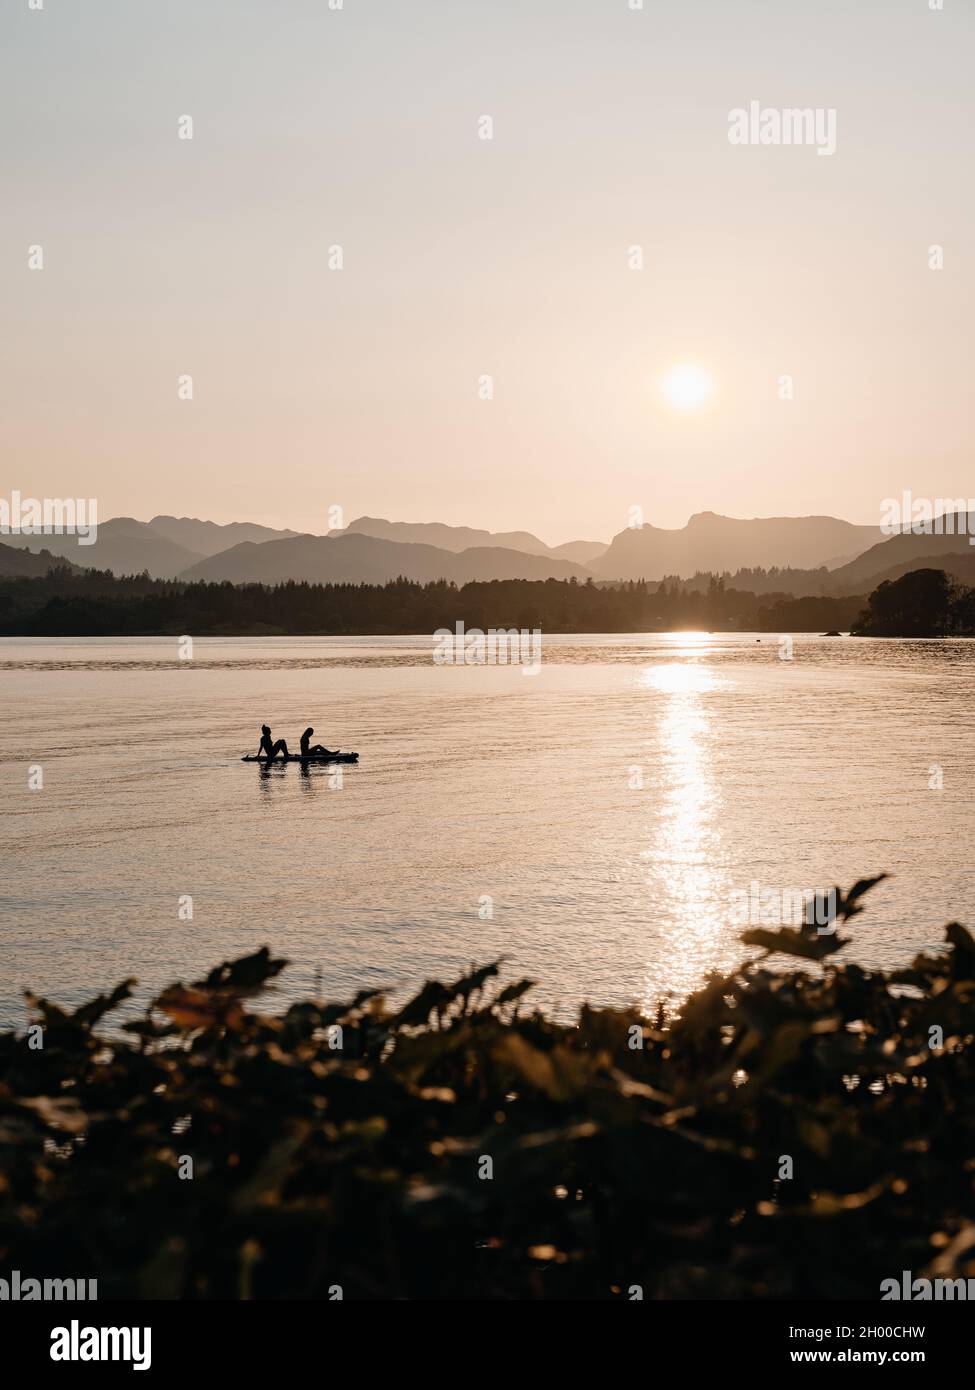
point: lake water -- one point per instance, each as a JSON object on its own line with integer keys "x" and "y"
{"x": 492, "y": 813}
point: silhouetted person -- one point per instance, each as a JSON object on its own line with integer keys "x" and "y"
{"x": 316, "y": 751}
{"x": 268, "y": 749}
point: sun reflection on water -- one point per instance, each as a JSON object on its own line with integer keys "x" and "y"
{"x": 686, "y": 872}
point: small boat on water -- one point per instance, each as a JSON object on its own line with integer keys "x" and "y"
{"x": 298, "y": 758}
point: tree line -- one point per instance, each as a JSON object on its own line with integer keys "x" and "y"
{"x": 97, "y": 603}
{"x": 922, "y": 603}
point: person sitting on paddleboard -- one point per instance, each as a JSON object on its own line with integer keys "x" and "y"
{"x": 268, "y": 749}
{"x": 317, "y": 751}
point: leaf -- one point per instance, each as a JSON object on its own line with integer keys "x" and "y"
{"x": 58, "y": 1112}
{"x": 90, "y": 1013}
{"x": 789, "y": 941}
{"x": 849, "y": 904}
{"x": 432, "y": 996}
{"x": 246, "y": 975}
{"x": 514, "y": 991}
{"x": 961, "y": 939}
{"x": 835, "y": 1203}
{"x": 560, "y": 1073}
{"x": 87, "y": 1015}
{"x": 197, "y": 1008}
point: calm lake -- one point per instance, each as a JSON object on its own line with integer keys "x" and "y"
{"x": 595, "y": 823}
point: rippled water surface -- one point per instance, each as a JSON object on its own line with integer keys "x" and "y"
{"x": 592, "y": 823}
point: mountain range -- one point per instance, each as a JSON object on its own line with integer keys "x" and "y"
{"x": 123, "y": 545}
{"x": 18, "y": 563}
{"x": 362, "y": 559}
{"x": 720, "y": 543}
{"x": 896, "y": 555}
{"x": 458, "y": 538}
{"x": 374, "y": 550}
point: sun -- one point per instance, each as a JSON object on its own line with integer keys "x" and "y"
{"x": 687, "y": 386}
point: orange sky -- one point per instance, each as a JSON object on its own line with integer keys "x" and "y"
{"x": 464, "y": 257}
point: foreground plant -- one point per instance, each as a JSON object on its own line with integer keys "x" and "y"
{"x": 792, "y": 1133}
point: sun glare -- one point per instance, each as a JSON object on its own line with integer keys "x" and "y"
{"x": 687, "y": 386}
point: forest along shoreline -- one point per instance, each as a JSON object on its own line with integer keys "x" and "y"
{"x": 67, "y": 602}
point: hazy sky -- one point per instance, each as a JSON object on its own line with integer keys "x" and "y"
{"x": 464, "y": 257}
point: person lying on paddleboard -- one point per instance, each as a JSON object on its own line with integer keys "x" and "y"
{"x": 317, "y": 751}
{"x": 268, "y": 749}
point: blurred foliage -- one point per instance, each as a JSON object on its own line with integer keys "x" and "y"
{"x": 614, "y": 1164}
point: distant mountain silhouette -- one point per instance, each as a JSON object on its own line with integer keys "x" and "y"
{"x": 905, "y": 552}
{"x": 124, "y": 545}
{"x": 374, "y": 550}
{"x": 209, "y": 538}
{"x": 458, "y": 538}
{"x": 455, "y": 538}
{"x": 958, "y": 565}
{"x": 17, "y": 560}
{"x": 358, "y": 559}
{"x": 716, "y": 543}
{"x": 580, "y": 552}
